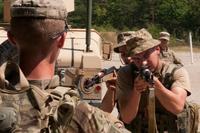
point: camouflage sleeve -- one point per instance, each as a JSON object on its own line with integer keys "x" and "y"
{"x": 181, "y": 79}
{"x": 8, "y": 52}
{"x": 89, "y": 119}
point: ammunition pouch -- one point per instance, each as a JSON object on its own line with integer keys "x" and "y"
{"x": 8, "y": 119}
{"x": 56, "y": 106}
{"x": 66, "y": 100}
{"x": 183, "y": 120}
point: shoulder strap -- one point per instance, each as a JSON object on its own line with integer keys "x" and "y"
{"x": 168, "y": 75}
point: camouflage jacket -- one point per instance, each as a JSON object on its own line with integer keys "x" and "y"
{"x": 44, "y": 106}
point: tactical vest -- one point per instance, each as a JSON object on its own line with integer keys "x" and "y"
{"x": 27, "y": 108}
{"x": 165, "y": 120}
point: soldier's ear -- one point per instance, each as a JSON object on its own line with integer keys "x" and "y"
{"x": 11, "y": 38}
{"x": 157, "y": 48}
{"x": 62, "y": 40}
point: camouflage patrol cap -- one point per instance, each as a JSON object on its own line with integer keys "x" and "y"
{"x": 138, "y": 45}
{"x": 164, "y": 35}
{"x": 122, "y": 38}
{"x": 143, "y": 34}
{"x": 53, "y": 9}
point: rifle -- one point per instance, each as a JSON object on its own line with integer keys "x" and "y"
{"x": 147, "y": 75}
{"x": 97, "y": 78}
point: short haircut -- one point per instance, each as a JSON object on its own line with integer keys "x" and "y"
{"x": 33, "y": 33}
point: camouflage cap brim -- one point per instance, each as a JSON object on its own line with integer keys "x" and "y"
{"x": 164, "y": 38}
{"x": 164, "y": 35}
{"x": 116, "y": 48}
{"x": 141, "y": 46}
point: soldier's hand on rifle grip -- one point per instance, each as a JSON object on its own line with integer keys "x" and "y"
{"x": 111, "y": 83}
{"x": 140, "y": 84}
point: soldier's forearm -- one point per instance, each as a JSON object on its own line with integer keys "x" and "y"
{"x": 129, "y": 109}
{"x": 171, "y": 100}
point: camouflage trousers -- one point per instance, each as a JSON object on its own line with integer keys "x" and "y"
{"x": 88, "y": 119}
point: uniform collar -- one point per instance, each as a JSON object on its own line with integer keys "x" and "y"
{"x": 46, "y": 83}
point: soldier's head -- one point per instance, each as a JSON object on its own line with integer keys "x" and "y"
{"x": 141, "y": 49}
{"x": 121, "y": 45}
{"x": 164, "y": 38}
{"x": 36, "y": 25}
{"x": 123, "y": 37}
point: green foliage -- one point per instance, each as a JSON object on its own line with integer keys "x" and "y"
{"x": 171, "y": 14}
{"x": 78, "y": 18}
{"x": 154, "y": 30}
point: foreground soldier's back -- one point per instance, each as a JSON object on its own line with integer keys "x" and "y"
{"x": 32, "y": 99}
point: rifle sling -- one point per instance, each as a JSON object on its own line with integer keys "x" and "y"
{"x": 152, "y": 127}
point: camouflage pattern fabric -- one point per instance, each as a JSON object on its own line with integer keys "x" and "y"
{"x": 194, "y": 116}
{"x": 125, "y": 36}
{"x": 44, "y": 106}
{"x": 53, "y": 9}
{"x": 137, "y": 45}
{"x": 94, "y": 120}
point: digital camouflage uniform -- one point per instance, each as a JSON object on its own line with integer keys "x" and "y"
{"x": 170, "y": 75}
{"x": 43, "y": 105}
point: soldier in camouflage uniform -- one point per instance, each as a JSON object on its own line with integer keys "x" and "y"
{"x": 171, "y": 83}
{"x": 110, "y": 99}
{"x": 32, "y": 99}
{"x": 166, "y": 53}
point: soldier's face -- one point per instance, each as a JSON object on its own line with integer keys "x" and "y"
{"x": 164, "y": 42}
{"x": 123, "y": 55}
{"x": 150, "y": 55}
